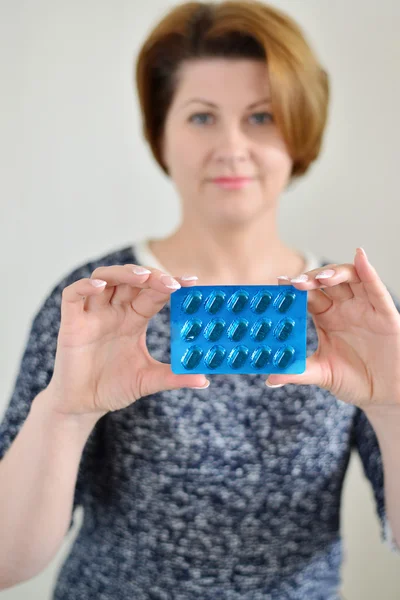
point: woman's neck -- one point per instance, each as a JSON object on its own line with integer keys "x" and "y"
{"x": 233, "y": 261}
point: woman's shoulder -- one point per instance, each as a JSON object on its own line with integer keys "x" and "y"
{"x": 117, "y": 256}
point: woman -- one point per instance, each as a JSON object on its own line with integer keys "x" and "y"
{"x": 232, "y": 491}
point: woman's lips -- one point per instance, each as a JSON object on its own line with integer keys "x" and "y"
{"x": 232, "y": 182}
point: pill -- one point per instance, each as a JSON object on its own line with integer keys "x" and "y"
{"x": 191, "y": 330}
{"x": 260, "y": 329}
{"x": 284, "y": 329}
{"x": 284, "y": 301}
{"x": 237, "y": 329}
{"x": 215, "y": 302}
{"x": 283, "y": 357}
{"x": 214, "y": 357}
{"x": 192, "y": 302}
{"x": 192, "y": 357}
{"x": 237, "y": 357}
{"x": 260, "y": 302}
{"x": 214, "y": 329}
{"x": 261, "y": 357}
{"x": 238, "y": 301}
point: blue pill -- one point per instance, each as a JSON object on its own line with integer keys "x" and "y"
{"x": 260, "y": 329}
{"x": 284, "y": 301}
{"x": 261, "y": 357}
{"x": 283, "y": 357}
{"x": 214, "y": 357}
{"x": 237, "y": 329}
{"x": 260, "y": 302}
{"x": 284, "y": 329}
{"x": 237, "y": 357}
{"x": 192, "y": 302}
{"x": 214, "y": 330}
{"x": 238, "y": 301}
{"x": 192, "y": 357}
{"x": 214, "y": 302}
{"x": 191, "y": 330}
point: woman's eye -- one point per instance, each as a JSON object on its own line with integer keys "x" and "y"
{"x": 200, "y": 118}
{"x": 263, "y": 117}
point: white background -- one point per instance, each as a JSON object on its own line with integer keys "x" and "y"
{"x": 76, "y": 181}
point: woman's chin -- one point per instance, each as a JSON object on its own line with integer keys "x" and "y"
{"x": 238, "y": 214}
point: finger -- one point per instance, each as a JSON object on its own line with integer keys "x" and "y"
{"x": 151, "y": 300}
{"x": 136, "y": 278}
{"x": 160, "y": 377}
{"x": 336, "y": 280}
{"x": 73, "y": 297}
{"x": 376, "y": 290}
{"x": 317, "y": 301}
{"x": 129, "y": 277}
{"x": 314, "y": 374}
{"x": 125, "y": 294}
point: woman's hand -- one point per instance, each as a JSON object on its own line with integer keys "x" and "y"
{"x": 358, "y": 326}
{"x": 102, "y": 362}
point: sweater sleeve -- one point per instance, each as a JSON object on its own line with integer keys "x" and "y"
{"x": 34, "y": 374}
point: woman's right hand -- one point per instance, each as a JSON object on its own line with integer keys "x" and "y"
{"x": 102, "y": 362}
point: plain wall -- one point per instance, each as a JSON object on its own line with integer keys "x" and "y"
{"x": 77, "y": 180}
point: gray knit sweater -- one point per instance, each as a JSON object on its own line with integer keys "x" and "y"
{"x": 229, "y": 493}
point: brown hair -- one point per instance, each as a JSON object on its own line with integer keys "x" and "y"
{"x": 237, "y": 29}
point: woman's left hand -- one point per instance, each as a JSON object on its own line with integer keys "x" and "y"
{"x": 358, "y": 326}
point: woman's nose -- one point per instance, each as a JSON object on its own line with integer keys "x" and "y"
{"x": 232, "y": 148}
{"x": 231, "y": 156}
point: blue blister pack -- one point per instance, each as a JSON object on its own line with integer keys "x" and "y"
{"x": 238, "y": 329}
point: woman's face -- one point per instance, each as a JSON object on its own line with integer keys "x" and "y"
{"x": 220, "y": 125}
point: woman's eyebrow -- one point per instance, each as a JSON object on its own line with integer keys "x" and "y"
{"x": 208, "y": 103}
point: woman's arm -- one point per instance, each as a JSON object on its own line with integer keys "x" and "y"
{"x": 37, "y": 482}
{"x": 386, "y": 424}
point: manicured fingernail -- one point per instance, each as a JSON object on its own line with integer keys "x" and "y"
{"x": 141, "y": 271}
{"x": 97, "y": 282}
{"x": 202, "y": 387}
{"x": 274, "y": 386}
{"x": 285, "y": 277}
{"x": 189, "y": 277}
{"x": 363, "y": 252}
{"x": 170, "y": 282}
{"x": 300, "y": 278}
{"x": 325, "y": 274}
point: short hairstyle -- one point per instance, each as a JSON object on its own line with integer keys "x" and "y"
{"x": 233, "y": 30}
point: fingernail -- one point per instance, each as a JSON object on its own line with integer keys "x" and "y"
{"x": 274, "y": 386}
{"x": 97, "y": 282}
{"x": 170, "y": 282}
{"x": 300, "y": 278}
{"x": 202, "y": 387}
{"x": 141, "y": 271}
{"x": 325, "y": 274}
{"x": 189, "y": 277}
{"x": 285, "y": 277}
{"x": 363, "y": 252}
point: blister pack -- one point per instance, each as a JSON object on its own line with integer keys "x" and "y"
{"x": 238, "y": 329}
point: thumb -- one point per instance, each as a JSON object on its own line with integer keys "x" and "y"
{"x": 313, "y": 375}
{"x": 162, "y": 378}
